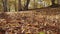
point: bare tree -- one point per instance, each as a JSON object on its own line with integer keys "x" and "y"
{"x": 4, "y": 5}
{"x": 19, "y": 5}
{"x": 15, "y": 6}
{"x": 53, "y": 4}
{"x": 58, "y": 1}
{"x": 26, "y": 6}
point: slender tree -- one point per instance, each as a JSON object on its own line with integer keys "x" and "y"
{"x": 19, "y": 5}
{"x": 4, "y": 5}
{"x": 53, "y": 4}
{"x": 15, "y": 6}
{"x": 26, "y": 6}
{"x": 58, "y": 1}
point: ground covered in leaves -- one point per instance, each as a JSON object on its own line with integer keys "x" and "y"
{"x": 43, "y": 21}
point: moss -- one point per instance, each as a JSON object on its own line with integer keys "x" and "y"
{"x": 41, "y": 32}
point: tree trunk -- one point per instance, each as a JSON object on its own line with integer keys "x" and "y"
{"x": 53, "y": 2}
{"x": 19, "y": 5}
{"x": 26, "y": 6}
{"x": 58, "y": 2}
{"x": 5, "y": 5}
{"x": 15, "y": 6}
{"x": 54, "y": 5}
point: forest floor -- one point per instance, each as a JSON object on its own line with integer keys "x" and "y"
{"x": 45, "y": 20}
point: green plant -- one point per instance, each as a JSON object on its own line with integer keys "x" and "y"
{"x": 41, "y": 32}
